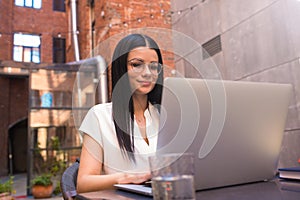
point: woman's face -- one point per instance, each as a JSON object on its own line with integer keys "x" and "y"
{"x": 142, "y": 76}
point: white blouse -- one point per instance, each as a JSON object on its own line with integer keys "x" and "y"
{"x": 98, "y": 123}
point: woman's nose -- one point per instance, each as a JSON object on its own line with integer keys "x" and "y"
{"x": 146, "y": 70}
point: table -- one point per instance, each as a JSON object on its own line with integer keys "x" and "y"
{"x": 275, "y": 190}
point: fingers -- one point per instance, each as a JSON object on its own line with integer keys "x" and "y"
{"x": 134, "y": 178}
{"x": 141, "y": 178}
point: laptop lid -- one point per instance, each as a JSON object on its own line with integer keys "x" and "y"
{"x": 234, "y": 128}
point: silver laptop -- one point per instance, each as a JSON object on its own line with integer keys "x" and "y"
{"x": 234, "y": 128}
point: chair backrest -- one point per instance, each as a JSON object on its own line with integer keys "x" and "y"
{"x": 68, "y": 181}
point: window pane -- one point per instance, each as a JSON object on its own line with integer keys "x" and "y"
{"x": 37, "y": 4}
{"x": 27, "y": 40}
{"x": 27, "y": 55}
{"x": 19, "y": 2}
{"x": 27, "y": 48}
{"x": 59, "y": 50}
{"x": 28, "y": 3}
{"x": 59, "y": 5}
{"x": 36, "y": 55}
{"x": 17, "y": 54}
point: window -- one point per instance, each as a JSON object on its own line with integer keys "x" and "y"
{"x": 29, "y": 3}
{"x": 59, "y": 5}
{"x": 59, "y": 50}
{"x": 26, "y": 48}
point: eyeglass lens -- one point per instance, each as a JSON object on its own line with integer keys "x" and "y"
{"x": 155, "y": 68}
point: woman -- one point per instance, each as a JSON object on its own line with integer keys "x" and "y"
{"x": 119, "y": 136}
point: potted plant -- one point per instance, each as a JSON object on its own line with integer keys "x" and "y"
{"x": 51, "y": 167}
{"x": 42, "y": 186}
{"x": 6, "y": 189}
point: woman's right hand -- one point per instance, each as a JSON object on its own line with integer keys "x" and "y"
{"x": 135, "y": 178}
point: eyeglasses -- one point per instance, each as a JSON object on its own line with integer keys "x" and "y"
{"x": 138, "y": 66}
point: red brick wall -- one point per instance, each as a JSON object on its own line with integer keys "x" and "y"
{"x": 18, "y": 102}
{"x": 118, "y": 16}
{"x": 84, "y": 28}
{"x": 5, "y": 29}
{"x": 49, "y": 23}
{"x": 121, "y": 15}
{"x": 44, "y": 22}
{"x": 13, "y": 108}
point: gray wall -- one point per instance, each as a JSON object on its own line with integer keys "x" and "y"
{"x": 260, "y": 42}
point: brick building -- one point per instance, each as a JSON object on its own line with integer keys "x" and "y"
{"x": 37, "y": 35}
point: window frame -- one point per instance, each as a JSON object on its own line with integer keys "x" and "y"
{"x": 32, "y": 3}
{"x": 20, "y": 51}
{"x": 59, "y": 5}
{"x": 59, "y": 49}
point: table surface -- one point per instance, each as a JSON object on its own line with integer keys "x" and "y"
{"x": 275, "y": 190}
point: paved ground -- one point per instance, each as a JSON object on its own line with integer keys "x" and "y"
{"x": 20, "y": 188}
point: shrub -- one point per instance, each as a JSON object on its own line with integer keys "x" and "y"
{"x": 44, "y": 179}
{"x": 7, "y": 186}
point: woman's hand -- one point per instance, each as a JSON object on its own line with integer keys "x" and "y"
{"x": 136, "y": 178}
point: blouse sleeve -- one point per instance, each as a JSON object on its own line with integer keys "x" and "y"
{"x": 92, "y": 136}
{"x": 91, "y": 126}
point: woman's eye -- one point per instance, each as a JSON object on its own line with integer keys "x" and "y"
{"x": 137, "y": 65}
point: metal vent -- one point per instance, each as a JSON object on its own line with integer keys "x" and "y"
{"x": 211, "y": 47}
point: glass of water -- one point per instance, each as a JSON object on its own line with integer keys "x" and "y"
{"x": 172, "y": 176}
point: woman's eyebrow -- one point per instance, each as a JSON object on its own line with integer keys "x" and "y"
{"x": 138, "y": 59}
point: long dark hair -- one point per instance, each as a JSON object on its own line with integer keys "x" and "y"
{"x": 122, "y": 104}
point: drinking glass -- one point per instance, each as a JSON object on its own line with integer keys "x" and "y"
{"x": 172, "y": 176}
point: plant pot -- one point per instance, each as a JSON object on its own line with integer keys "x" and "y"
{"x": 40, "y": 191}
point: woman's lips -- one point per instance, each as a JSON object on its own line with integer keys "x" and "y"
{"x": 145, "y": 83}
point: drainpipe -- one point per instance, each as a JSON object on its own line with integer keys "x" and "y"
{"x": 76, "y": 46}
{"x": 74, "y": 29}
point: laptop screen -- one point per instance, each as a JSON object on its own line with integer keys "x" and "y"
{"x": 228, "y": 125}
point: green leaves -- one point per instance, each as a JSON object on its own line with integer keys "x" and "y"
{"x": 7, "y": 186}
{"x": 44, "y": 179}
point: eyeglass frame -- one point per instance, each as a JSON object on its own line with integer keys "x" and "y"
{"x": 142, "y": 68}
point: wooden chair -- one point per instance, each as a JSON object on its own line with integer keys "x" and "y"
{"x": 68, "y": 181}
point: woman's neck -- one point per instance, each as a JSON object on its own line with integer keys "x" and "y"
{"x": 140, "y": 103}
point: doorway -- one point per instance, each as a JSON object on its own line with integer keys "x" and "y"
{"x": 18, "y": 147}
